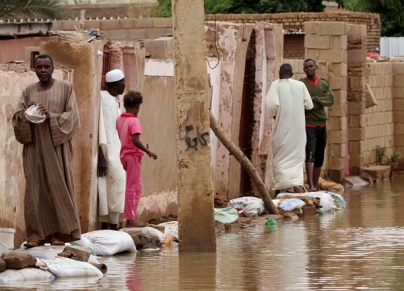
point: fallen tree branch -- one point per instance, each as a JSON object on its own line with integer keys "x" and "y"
{"x": 245, "y": 163}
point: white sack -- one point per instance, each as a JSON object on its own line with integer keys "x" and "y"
{"x": 248, "y": 205}
{"x": 67, "y": 268}
{"x": 28, "y": 274}
{"x": 291, "y": 204}
{"x": 110, "y": 242}
{"x": 171, "y": 229}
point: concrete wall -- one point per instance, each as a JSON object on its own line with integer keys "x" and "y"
{"x": 326, "y": 43}
{"x": 12, "y": 181}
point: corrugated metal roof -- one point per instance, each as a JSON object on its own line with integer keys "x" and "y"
{"x": 392, "y": 46}
{"x": 293, "y": 32}
{"x": 24, "y": 27}
{"x": 25, "y": 21}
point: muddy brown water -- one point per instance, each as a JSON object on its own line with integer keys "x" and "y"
{"x": 359, "y": 248}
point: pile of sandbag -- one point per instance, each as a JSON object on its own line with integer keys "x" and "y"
{"x": 324, "y": 201}
{"x": 46, "y": 263}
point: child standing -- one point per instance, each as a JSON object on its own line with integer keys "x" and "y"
{"x": 131, "y": 154}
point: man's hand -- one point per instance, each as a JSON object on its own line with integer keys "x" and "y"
{"x": 325, "y": 94}
{"x": 102, "y": 164}
{"x": 44, "y": 110}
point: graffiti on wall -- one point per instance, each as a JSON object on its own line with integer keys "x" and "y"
{"x": 193, "y": 138}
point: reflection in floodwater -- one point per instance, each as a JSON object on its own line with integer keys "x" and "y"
{"x": 361, "y": 247}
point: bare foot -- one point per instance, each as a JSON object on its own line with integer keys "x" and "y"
{"x": 313, "y": 190}
{"x": 134, "y": 223}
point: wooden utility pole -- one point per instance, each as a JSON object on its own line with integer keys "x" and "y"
{"x": 196, "y": 223}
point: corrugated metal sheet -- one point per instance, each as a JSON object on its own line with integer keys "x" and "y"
{"x": 24, "y": 27}
{"x": 392, "y": 46}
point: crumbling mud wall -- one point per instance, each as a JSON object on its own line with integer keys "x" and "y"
{"x": 87, "y": 65}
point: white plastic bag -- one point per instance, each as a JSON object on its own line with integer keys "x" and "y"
{"x": 28, "y": 274}
{"x": 110, "y": 242}
{"x": 248, "y": 205}
{"x": 34, "y": 115}
{"x": 67, "y": 268}
{"x": 291, "y": 204}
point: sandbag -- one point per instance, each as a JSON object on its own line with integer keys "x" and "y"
{"x": 28, "y": 274}
{"x": 226, "y": 215}
{"x": 291, "y": 204}
{"x": 49, "y": 252}
{"x": 67, "y": 268}
{"x": 110, "y": 242}
{"x": 248, "y": 205}
{"x": 171, "y": 229}
{"x": 84, "y": 242}
{"x": 153, "y": 234}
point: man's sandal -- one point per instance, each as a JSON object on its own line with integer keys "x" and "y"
{"x": 34, "y": 243}
{"x": 56, "y": 242}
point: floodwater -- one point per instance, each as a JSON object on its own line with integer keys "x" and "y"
{"x": 359, "y": 248}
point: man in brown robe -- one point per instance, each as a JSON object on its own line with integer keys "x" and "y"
{"x": 49, "y": 206}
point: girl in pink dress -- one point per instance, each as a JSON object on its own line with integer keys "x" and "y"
{"x": 132, "y": 150}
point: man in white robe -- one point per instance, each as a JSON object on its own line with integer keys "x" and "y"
{"x": 111, "y": 175}
{"x": 286, "y": 101}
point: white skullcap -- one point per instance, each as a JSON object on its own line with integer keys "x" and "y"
{"x": 114, "y": 75}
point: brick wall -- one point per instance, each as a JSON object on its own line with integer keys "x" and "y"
{"x": 293, "y": 46}
{"x": 356, "y": 94}
{"x": 378, "y": 120}
{"x": 295, "y": 21}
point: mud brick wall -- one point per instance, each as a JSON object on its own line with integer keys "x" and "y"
{"x": 379, "y": 130}
{"x": 398, "y": 109}
{"x": 326, "y": 42}
{"x": 293, "y": 47}
{"x": 357, "y": 71}
{"x": 122, "y": 29}
{"x": 295, "y": 21}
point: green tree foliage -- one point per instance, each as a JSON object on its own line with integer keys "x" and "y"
{"x": 32, "y": 8}
{"x": 391, "y": 13}
{"x": 251, "y": 6}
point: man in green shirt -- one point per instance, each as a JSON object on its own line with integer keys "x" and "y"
{"x": 316, "y": 118}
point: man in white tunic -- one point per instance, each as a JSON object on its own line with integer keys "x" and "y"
{"x": 285, "y": 102}
{"x": 111, "y": 175}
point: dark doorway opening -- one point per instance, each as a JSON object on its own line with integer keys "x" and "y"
{"x": 247, "y": 114}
